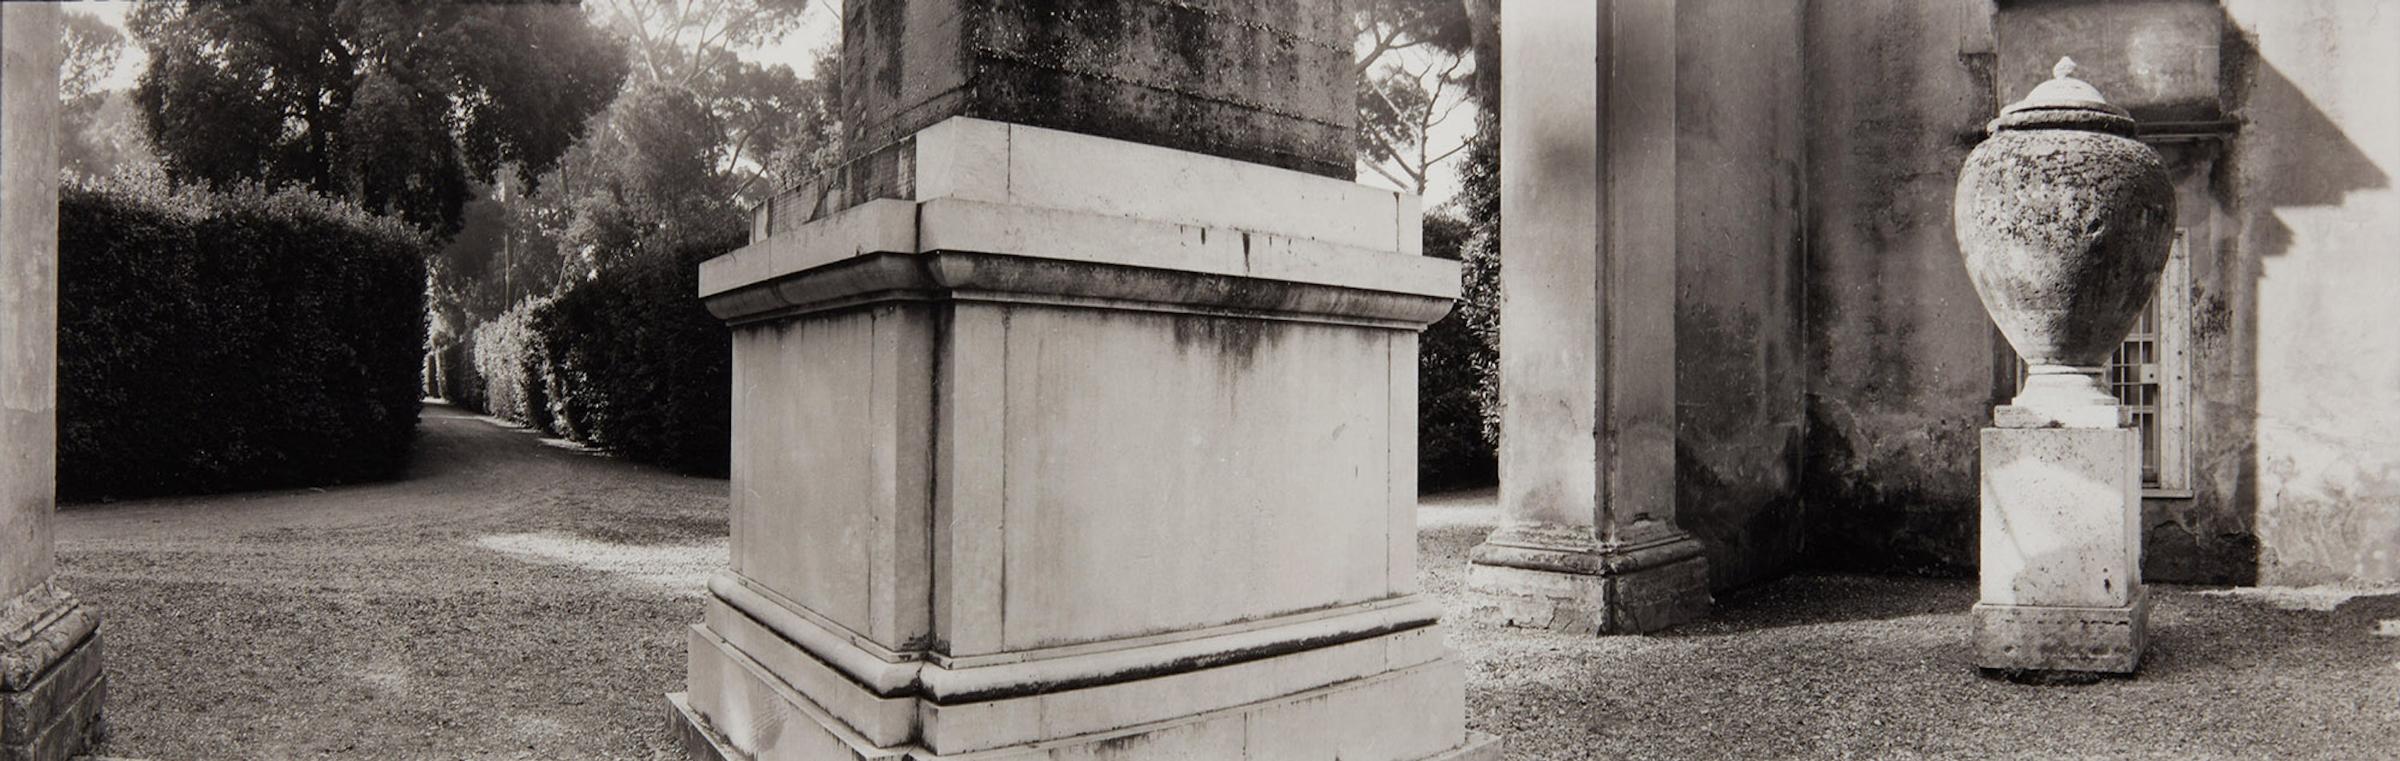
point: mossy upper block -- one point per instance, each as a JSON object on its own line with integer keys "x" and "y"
{"x": 1263, "y": 81}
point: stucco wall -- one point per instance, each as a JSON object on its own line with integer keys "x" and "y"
{"x": 2294, "y": 429}
{"x": 2320, "y": 227}
{"x": 1900, "y": 357}
{"x": 1737, "y": 322}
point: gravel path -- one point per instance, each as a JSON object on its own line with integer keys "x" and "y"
{"x": 1870, "y": 667}
{"x": 515, "y": 598}
{"x": 507, "y": 600}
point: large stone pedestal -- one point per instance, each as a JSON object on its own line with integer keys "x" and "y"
{"x": 1078, "y": 448}
{"x": 2061, "y": 544}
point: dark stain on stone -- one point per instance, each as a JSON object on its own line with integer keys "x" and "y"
{"x": 1866, "y": 517}
{"x": 1233, "y": 341}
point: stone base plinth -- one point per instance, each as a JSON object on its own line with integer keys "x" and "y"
{"x": 2060, "y": 560}
{"x": 51, "y": 686}
{"x": 1391, "y": 696}
{"x": 1077, "y": 448}
{"x": 1622, "y": 592}
{"x": 2037, "y": 638}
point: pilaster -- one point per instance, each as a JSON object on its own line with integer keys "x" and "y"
{"x": 50, "y": 680}
{"x": 1588, "y": 540}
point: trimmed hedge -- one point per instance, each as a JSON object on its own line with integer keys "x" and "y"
{"x": 216, "y": 341}
{"x": 640, "y": 367}
{"x": 507, "y": 359}
{"x": 627, "y": 361}
{"x": 1452, "y": 364}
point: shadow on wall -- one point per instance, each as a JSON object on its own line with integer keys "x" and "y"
{"x": 2318, "y": 481}
{"x": 2318, "y": 164}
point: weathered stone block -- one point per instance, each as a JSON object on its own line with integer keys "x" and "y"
{"x": 2061, "y": 551}
{"x": 57, "y": 714}
{"x": 1262, "y": 82}
{"x": 2061, "y": 516}
{"x": 1592, "y": 593}
{"x": 2050, "y": 638}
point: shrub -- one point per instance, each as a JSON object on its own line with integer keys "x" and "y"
{"x": 213, "y": 341}
{"x": 455, "y": 378}
{"x": 637, "y": 366}
{"x": 508, "y": 359}
{"x": 1459, "y": 363}
{"x": 1451, "y": 364}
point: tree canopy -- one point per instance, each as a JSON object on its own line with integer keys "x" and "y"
{"x": 401, "y": 107}
{"x": 1417, "y": 67}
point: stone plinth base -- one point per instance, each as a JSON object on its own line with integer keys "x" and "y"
{"x": 51, "y": 687}
{"x": 1077, "y": 448}
{"x": 1628, "y": 591}
{"x": 2037, "y": 638}
{"x": 1391, "y": 696}
{"x": 2060, "y": 561}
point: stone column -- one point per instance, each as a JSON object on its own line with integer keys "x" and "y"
{"x": 1075, "y": 415}
{"x": 50, "y": 682}
{"x": 1588, "y": 540}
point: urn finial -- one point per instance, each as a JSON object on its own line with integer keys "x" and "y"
{"x": 2063, "y": 101}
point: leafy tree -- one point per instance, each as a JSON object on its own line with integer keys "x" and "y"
{"x": 400, "y": 106}
{"x": 1414, "y": 71}
{"x": 1390, "y": 26}
{"x": 679, "y": 41}
{"x": 93, "y": 49}
{"x": 98, "y": 134}
{"x": 1399, "y": 107}
{"x": 770, "y": 124}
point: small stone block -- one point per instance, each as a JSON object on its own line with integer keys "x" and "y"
{"x": 2038, "y": 638}
{"x": 2061, "y": 517}
{"x": 25, "y": 713}
{"x": 1635, "y": 601}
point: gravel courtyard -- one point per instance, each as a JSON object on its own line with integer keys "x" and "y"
{"x": 514, "y": 598}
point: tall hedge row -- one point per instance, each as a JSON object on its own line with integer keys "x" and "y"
{"x": 233, "y": 340}
{"x": 627, "y": 361}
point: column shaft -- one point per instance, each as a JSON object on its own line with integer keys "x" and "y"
{"x": 50, "y": 680}
{"x": 1588, "y": 539}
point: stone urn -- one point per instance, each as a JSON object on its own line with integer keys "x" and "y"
{"x": 2064, "y": 220}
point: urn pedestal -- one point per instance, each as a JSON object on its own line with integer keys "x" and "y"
{"x": 2064, "y": 221}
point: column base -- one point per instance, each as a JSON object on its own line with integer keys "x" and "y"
{"x": 2044, "y": 638}
{"x": 51, "y": 685}
{"x": 1631, "y": 590}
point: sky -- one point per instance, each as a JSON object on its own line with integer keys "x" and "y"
{"x": 798, "y": 51}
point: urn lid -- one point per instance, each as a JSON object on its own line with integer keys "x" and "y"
{"x": 2064, "y": 102}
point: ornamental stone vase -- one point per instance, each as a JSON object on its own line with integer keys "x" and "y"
{"x": 2064, "y": 220}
